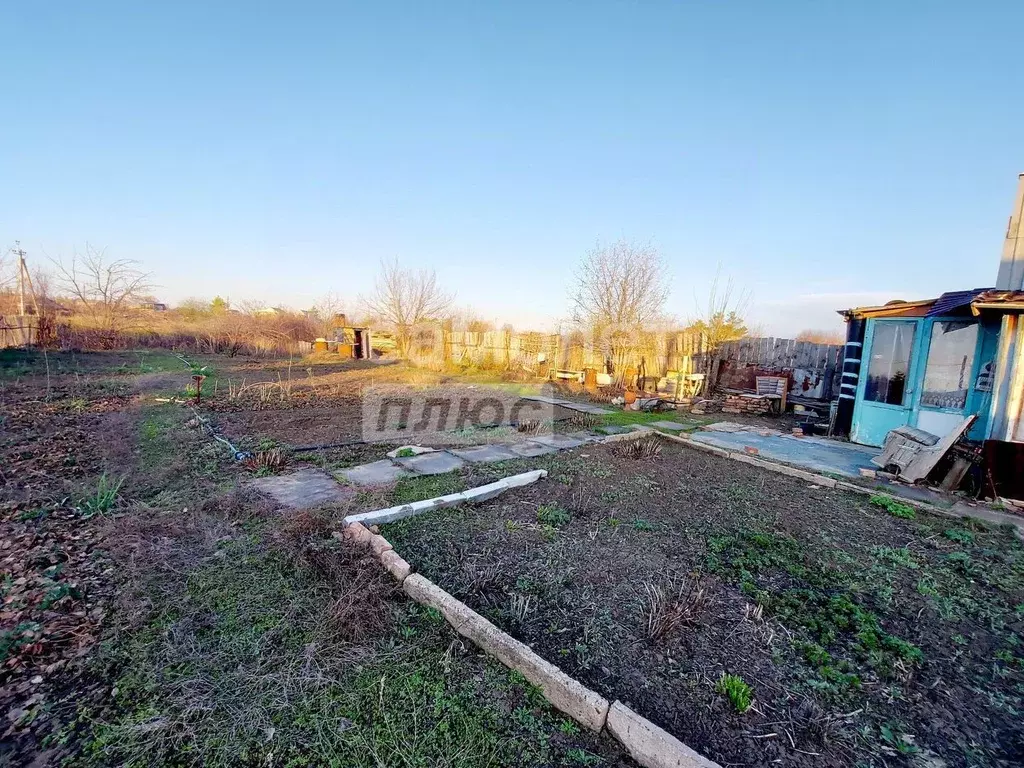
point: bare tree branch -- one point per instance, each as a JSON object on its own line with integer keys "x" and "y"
{"x": 104, "y": 288}
{"x": 619, "y": 294}
{"x": 403, "y": 299}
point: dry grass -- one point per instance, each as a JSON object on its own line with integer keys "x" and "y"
{"x": 584, "y": 421}
{"x": 646, "y": 447}
{"x": 266, "y": 461}
{"x": 680, "y": 603}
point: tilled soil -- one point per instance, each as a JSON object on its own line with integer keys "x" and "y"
{"x": 868, "y": 639}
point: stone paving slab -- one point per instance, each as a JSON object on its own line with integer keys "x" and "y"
{"x": 303, "y": 489}
{"x": 530, "y": 450}
{"x": 572, "y": 406}
{"x": 375, "y": 473}
{"x": 586, "y": 408}
{"x": 486, "y": 453}
{"x": 674, "y": 426}
{"x": 436, "y": 463}
{"x": 612, "y": 429}
{"x": 558, "y": 442}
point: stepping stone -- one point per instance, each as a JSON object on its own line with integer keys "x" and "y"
{"x": 436, "y": 463}
{"x": 485, "y": 453}
{"x": 530, "y": 450}
{"x": 375, "y": 473}
{"x": 672, "y": 426}
{"x": 558, "y": 442}
{"x": 611, "y": 429}
{"x": 586, "y": 408}
{"x": 303, "y": 489}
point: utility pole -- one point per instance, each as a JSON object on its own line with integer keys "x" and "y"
{"x": 17, "y": 251}
{"x": 23, "y": 278}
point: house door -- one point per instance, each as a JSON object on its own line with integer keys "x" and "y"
{"x": 886, "y": 389}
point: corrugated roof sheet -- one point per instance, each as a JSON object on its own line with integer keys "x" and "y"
{"x": 952, "y": 301}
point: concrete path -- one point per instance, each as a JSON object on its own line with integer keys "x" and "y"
{"x": 815, "y": 453}
{"x": 303, "y": 489}
{"x": 580, "y": 407}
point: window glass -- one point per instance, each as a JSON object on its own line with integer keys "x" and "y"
{"x": 947, "y": 373}
{"x": 889, "y": 363}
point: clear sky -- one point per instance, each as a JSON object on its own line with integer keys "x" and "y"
{"x": 825, "y": 153}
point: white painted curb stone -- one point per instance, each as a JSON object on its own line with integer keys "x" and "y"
{"x": 565, "y": 694}
{"x": 473, "y": 495}
{"x": 650, "y": 745}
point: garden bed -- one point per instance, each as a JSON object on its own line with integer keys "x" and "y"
{"x": 867, "y": 634}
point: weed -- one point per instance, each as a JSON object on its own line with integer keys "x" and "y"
{"x": 31, "y": 514}
{"x": 103, "y": 498}
{"x": 520, "y": 607}
{"x": 894, "y": 507}
{"x": 553, "y": 515}
{"x": 959, "y": 535}
{"x": 58, "y": 592}
{"x": 404, "y": 453}
{"x": 735, "y": 688}
{"x": 643, "y": 525}
{"x": 579, "y": 756}
{"x": 899, "y": 556}
{"x": 265, "y": 462}
{"x": 12, "y": 641}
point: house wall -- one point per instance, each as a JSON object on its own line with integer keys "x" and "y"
{"x": 1007, "y": 409}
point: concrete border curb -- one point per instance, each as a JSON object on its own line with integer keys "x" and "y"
{"x": 564, "y": 693}
{"x": 649, "y": 745}
{"x": 471, "y": 496}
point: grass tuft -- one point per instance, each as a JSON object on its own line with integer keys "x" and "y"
{"x": 736, "y": 689}
{"x": 103, "y": 499}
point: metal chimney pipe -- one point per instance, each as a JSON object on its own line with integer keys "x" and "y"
{"x": 1011, "y": 265}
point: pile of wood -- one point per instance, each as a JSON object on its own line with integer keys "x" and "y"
{"x": 752, "y": 404}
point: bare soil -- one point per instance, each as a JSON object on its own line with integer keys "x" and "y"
{"x": 177, "y": 619}
{"x": 867, "y": 638}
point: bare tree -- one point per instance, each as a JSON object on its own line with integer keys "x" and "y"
{"x": 403, "y": 299}
{"x": 619, "y": 294}
{"x": 324, "y": 312}
{"x": 721, "y": 316}
{"x": 104, "y": 288}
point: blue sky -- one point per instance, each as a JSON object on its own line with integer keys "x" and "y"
{"x": 826, "y": 154}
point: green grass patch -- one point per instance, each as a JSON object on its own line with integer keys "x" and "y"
{"x": 552, "y": 514}
{"x": 242, "y": 664}
{"x": 410, "y": 489}
{"x": 894, "y": 507}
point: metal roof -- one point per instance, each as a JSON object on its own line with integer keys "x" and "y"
{"x": 998, "y": 300}
{"x": 951, "y": 301}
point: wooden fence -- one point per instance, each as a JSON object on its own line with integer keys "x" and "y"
{"x": 659, "y": 353}
{"x": 18, "y": 331}
{"x": 814, "y": 369}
